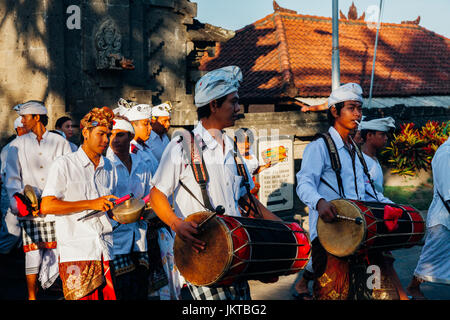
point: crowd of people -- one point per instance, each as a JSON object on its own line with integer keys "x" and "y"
{"x": 72, "y": 234}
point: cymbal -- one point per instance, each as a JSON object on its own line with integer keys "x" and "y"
{"x": 129, "y": 211}
{"x": 28, "y": 191}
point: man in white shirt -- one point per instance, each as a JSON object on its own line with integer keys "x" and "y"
{"x": 374, "y": 134}
{"x": 28, "y": 163}
{"x": 160, "y": 122}
{"x": 434, "y": 261}
{"x": 130, "y": 245}
{"x": 78, "y": 183}
{"x": 217, "y": 104}
{"x": 10, "y": 230}
{"x": 318, "y": 184}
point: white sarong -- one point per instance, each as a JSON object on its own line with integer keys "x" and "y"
{"x": 434, "y": 261}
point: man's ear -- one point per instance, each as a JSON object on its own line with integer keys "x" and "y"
{"x": 333, "y": 111}
{"x": 213, "y": 106}
{"x": 85, "y": 133}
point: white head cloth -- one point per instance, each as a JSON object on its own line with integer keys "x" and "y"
{"x": 30, "y": 107}
{"x": 18, "y": 122}
{"x": 122, "y": 124}
{"x": 138, "y": 112}
{"x": 123, "y": 106}
{"x": 216, "y": 84}
{"x": 346, "y": 92}
{"x": 382, "y": 124}
{"x": 162, "y": 110}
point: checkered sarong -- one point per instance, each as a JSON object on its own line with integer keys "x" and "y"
{"x": 38, "y": 235}
{"x": 237, "y": 291}
{"x": 123, "y": 264}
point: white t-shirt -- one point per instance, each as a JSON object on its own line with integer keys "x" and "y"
{"x": 74, "y": 178}
{"x": 225, "y": 186}
{"x": 28, "y": 162}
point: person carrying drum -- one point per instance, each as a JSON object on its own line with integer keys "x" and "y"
{"x": 129, "y": 240}
{"x": 28, "y": 163}
{"x": 374, "y": 134}
{"x": 160, "y": 122}
{"x": 319, "y": 182}
{"x": 217, "y": 102}
{"x": 434, "y": 261}
{"x": 78, "y": 183}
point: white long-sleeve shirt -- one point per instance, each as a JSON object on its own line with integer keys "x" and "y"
{"x": 225, "y": 186}
{"x": 130, "y": 237}
{"x": 28, "y": 162}
{"x": 316, "y": 164}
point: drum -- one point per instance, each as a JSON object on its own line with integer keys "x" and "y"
{"x": 345, "y": 237}
{"x": 238, "y": 247}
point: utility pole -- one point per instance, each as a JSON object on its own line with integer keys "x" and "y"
{"x": 335, "y": 64}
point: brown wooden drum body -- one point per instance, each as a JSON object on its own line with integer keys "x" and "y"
{"x": 239, "y": 247}
{"x": 343, "y": 237}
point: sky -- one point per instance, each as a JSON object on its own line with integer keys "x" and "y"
{"x": 236, "y": 14}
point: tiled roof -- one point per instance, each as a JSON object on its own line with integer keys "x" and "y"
{"x": 289, "y": 54}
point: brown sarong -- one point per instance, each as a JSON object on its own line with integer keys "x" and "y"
{"x": 80, "y": 278}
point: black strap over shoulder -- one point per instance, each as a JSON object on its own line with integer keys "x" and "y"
{"x": 334, "y": 158}
{"x": 198, "y": 167}
{"x": 366, "y": 170}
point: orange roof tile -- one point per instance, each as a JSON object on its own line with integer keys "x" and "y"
{"x": 286, "y": 51}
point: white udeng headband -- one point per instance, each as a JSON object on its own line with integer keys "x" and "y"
{"x": 121, "y": 124}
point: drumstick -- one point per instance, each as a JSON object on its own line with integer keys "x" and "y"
{"x": 115, "y": 203}
{"x": 357, "y": 220}
{"x": 219, "y": 210}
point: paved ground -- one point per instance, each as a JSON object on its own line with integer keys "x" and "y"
{"x": 12, "y": 280}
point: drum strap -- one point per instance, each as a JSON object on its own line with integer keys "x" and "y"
{"x": 243, "y": 173}
{"x": 366, "y": 170}
{"x": 198, "y": 169}
{"x": 334, "y": 158}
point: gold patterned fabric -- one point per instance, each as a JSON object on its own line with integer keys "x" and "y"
{"x": 79, "y": 278}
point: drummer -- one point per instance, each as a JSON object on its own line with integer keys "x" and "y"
{"x": 160, "y": 122}
{"x": 217, "y": 103}
{"x": 318, "y": 184}
{"x": 78, "y": 183}
{"x": 129, "y": 240}
{"x": 28, "y": 163}
{"x": 374, "y": 134}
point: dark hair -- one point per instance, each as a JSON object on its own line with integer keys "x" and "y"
{"x": 242, "y": 133}
{"x": 61, "y": 121}
{"x": 205, "y": 111}
{"x": 57, "y": 132}
{"x": 43, "y": 118}
{"x": 330, "y": 117}
{"x": 365, "y": 132}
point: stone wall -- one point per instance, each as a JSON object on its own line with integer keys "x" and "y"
{"x": 69, "y": 69}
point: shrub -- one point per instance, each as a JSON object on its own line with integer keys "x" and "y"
{"x": 412, "y": 149}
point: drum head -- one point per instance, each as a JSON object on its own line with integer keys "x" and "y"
{"x": 206, "y": 267}
{"x": 342, "y": 237}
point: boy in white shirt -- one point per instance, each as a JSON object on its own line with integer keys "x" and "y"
{"x": 79, "y": 182}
